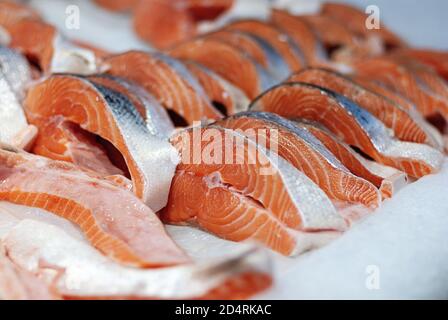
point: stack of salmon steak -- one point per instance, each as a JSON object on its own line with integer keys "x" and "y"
{"x": 276, "y": 136}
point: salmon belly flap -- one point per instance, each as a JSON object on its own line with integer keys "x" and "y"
{"x": 112, "y": 219}
{"x": 248, "y": 194}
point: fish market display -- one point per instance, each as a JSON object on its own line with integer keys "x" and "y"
{"x": 235, "y": 200}
{"x": 309, "y": 155}
{"x": 112, "y": 116}
{"x": 168, "y": 80}
{"x": 183, "y": 172}
{"x": 77, "y": 270}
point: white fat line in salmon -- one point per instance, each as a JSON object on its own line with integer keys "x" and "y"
{"x": 230, "y": 148}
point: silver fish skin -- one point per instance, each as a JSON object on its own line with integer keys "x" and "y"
{"x": 155, "y": 156}
{"x": 77, "y": 270}
{"x": 16, "y": 70}
{"x": 379, "y": 135}
{"x": 156, "y": 117}
{"x": 434, "y": 138}
{"x": 300, "y": 132}
{"x": 316, "y": 209}
{"x": 12, "y": 117}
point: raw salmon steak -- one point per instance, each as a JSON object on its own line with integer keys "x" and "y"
{"x": 47, "y": 48}
{"x": 422, "y": 86}
{"x": 406, "y": 125}
{"x": 285, "y": 47}
{"x": 356, "y": 21}
{"x": 307, "y": 154}
{"x": 355, "y": 125}
{"x": 236, "y": 189}
{"x": 57, "y": 253}
{"x": 166, "y": 23}
{"x": 258, "y": 48}
{"x": 149, "y": 159}
{"x": 111, "y": 218}
{"x": 302, "y": 34}
{"x": 168, "y": 80}
{"x": 226, "y": 97}
{"x": 387, "y": 179}
{"x": 233, "y": 64}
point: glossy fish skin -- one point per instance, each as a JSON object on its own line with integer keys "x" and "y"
{"x": 356, "y": 126}
{"x": 245, "y": 183}
{"x": 281, "y": 42}
{"x": 387, "y": 179}
{"x": 407, "y": 126}
{"x": 78, "y": 271}
{"x": 16, "y": 70}
{"x": 167, "y": 80}
{"x": 150, "y": 160}
{"x": 219, "y": 90}
{"x": 157, "y": 120}
{"x": 233, "y": 65}
{"x": 298, "y": 146}
{"x": 113, "y": 220}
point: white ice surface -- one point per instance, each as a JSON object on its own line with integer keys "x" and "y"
{"x": 405, "y": 243}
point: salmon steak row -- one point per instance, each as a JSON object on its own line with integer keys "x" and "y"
{"x": 263, "y": 137}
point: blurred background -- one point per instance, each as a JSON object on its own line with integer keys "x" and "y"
{"x": 421, "y": 23}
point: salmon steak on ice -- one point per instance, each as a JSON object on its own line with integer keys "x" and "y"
{"x": 244, "y": 192}
{"x": 168, "y": 80}
{"x": 307, "y": 154}
{"x": 353, "y": 124}
{"x": 54, "y": 250}
{"x": 113, "y": 220}
{"x": 406, "y": 124}
{"x": 45, "y": 46}
{"x": 233, "y": 65}
{"x": 387, "y": 179}
{"x": 148, "y": 158}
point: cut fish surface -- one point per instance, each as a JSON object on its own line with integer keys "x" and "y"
{"x": 406, "y": 126}
{"x": 111, "y": 218}
{"x": 219, "y": 90}
{"x": 167, "y": 79}
{"x": 387, "y": 179}
{"x": 409, "y": 82}
{"x": 78, "y": 271}
{"x": 281, "y": 42}
{"x": 166, "y": 23}
{"x": 302, "y": 34}
{"x": 356, "y": 126}
{"x": 233, "y": 65}
{"x": 245, "y": 192}
{"x": 257, "y": 48}
{"x": 48, "y": 49}
{"x": 298, "y": 146}
{"x": 355, "y": 20}
{"x": 150, "y": 160}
